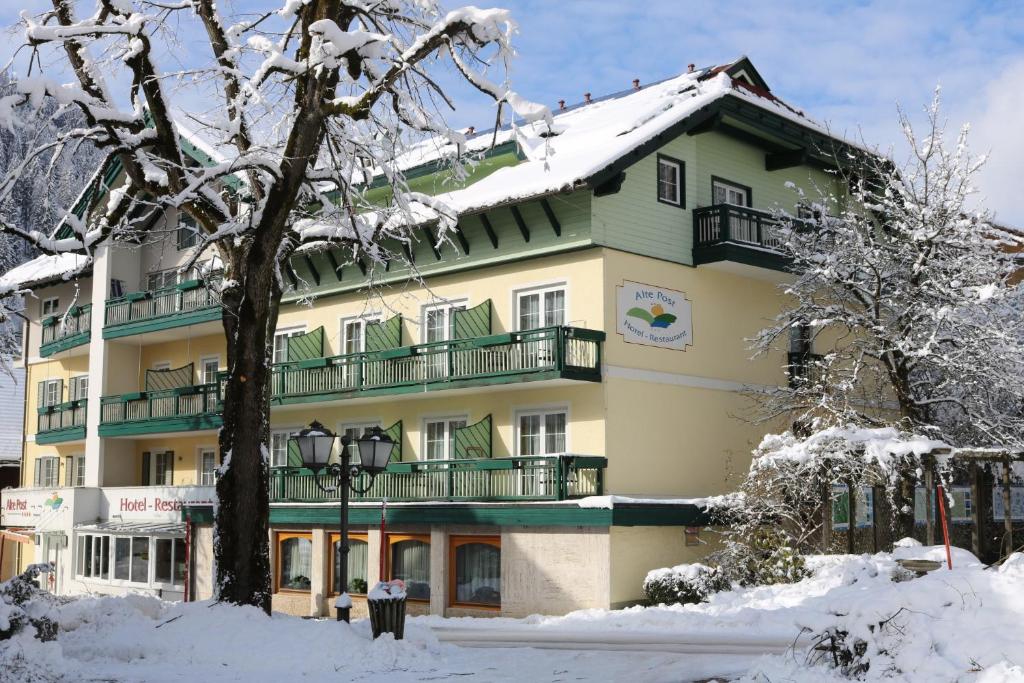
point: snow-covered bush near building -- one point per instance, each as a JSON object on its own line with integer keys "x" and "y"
{"x": 683, "y": 584}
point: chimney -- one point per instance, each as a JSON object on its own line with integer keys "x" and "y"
{"x": 636, "y": 84}
{"x": 470, "y": 130}
{"x": 690, "y": 68}
{"x": 561, "y": 105}
{"x": 586, "y": 98}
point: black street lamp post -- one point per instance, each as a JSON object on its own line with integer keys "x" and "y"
{"x": 316, "y": 444}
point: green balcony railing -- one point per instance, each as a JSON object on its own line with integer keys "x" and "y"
{"x": 517, "y": 356}
{"x": 61, "y": 332}
{"x": 184, "y": 304}
{"x": 553, "y": 477}
{"x": 180, "y": 409}
{"x": 729, "y": 223}
{"x": 61, "y": 421}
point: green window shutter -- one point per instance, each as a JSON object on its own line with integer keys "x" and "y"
{"x": 395, "y": 432}
{"x": 294, "y": 458}
{"x": 60, "y": 391}
{"x": 69, "y": 470}
{"x": 384, "y": 335}
{"x": 474, "y": 441}
{"x": 145, "y": 468}
{"x": 41, "y": 396}
{"x": 473, "y": 322}
{"x": 37, "y": 474}
{"x": 161, "y": 380}
{"x": 169, "y": 470}
{"x": 306, "y": 346}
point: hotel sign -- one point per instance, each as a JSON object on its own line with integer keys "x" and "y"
{"x": 654, "y": 316}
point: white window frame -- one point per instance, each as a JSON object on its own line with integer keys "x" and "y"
{"x": 542, "y": 411}
{"x": 721, "y": 182}
{"x": 540, "y": 291}
{"x": 449, "y": 435}
{"x": 201, "y": 453}
{"x": 360, "y": 426}
{"x": 44, "y": 482}
{"x": 285, "y": 332}
{"x": 447, "y": 307}
{"x": 678, "y": 166}
{"x": 49, "y": 306}
{"x": 154, "y": 464}
{"x": 47, "y": 384}
{"x": 202, "y": 368}
{"x": 363, "y": 321}
{"x": 278, "y": 431}
{"x": 74, "y": 392}
{"x": 150, "y": 581}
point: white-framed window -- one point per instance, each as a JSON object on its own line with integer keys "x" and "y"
{"x": 353, "y": 333}
{"x": 670, "y": 180}
{"x": 162, "y": 279}
{"x": 155, "y": 561}
{"x": 52, "y": 390}
{"x": 725, "y": 192}
{"x": 354, "y": 430}
{"x": 208, "y": 369}
{"x": 439, "y": 436}
{"x": 281, "y": 338}
{"x": 78, "y": 388}
{"x": 74, "y": 470}
{"x": 207, "y": 466}
{"x": 93, "y": 556}
{"x": 50, "y": 306}
{"x": 188, "y": 232}
{"x": 163, "y": 468}
{"x": 279, "y": 446}
{"x": 46, "y": 471}
{"x": 439, "y": 321}
{"x": 540, "y": 307}
{"x": 542, "y": 431}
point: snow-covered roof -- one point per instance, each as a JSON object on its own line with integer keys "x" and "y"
{"x": 588, "y": 139}
{"x": 42, "y": 270}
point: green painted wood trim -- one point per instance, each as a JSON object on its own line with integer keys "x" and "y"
{"x": 75, "y": 340}
{"x": 659, "y": 515}
{"x": 160, "y": 425}
{"x": 167, "y": 322}
{"x": 737, "y": 253}
{"x": 59, "y": 435}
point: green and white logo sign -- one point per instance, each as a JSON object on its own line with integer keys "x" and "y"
{"x": 654, "y": 316}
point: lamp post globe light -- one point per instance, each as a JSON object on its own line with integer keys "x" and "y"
{"x": 316, "y": 443}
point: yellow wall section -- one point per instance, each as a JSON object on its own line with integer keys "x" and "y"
{"x": 46, "y": 370}
{"x": 61, "y": 450}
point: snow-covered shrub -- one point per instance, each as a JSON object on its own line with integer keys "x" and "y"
{"x": 762, "y": 557}
{"x": 683, "y": 584}
{"x": 23, "y": 604}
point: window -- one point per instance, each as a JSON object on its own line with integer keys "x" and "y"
{"x": 78, "y": 389}
{"x": 74, "y": 470}
{"x": 725, "y": 192}
{"x": 542, "y": 432}
{"x": 358, "y": 563}
{"x": 841, "y": 507}
{"x": 474, "y": 567}
{"x": 960, "y": 511}
{"x": 46, "y": 472}
{"x": 353, "y": 334}
{"x": 439, "y": 437}
{"x": 93, "y": 556}
{"x": 207, "y": 467}
{"x": 208, "y": 369}
{"x": 409, "y": 560}
{"x": 163, "y": 469}
{"x": 116, "y": 288}
{"x": 281, "y": 343}
{"x": 439, "y": 321}
{"x": 188, "y": 232}
{"x": 294, "y": 561}
{"x": 122, "y": 558}
{"x": 670, "y": 180}
{"x": 541, "y": 308}
{"x": 50, "y": 306}
{"x": 162, "y": 279}
{"x": 279, "y": 446}
{"x": 140, "y": 559}
{"x": 169, "y": 561}
{"x": 51, "y": 391}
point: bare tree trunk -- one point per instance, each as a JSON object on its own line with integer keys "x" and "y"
{"x": 241, "y": 543}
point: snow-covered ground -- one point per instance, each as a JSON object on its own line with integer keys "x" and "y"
{"x": 960, "y": 625}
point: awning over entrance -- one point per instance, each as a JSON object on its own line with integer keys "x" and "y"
{"x": 140, "y": 528}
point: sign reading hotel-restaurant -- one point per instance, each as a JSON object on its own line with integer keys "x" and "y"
{"x": 654, "y": 316}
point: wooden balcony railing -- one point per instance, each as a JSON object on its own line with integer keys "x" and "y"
{"x": 729, "y": 223}
{"x": 202, "y": 400}
{"x": 552, "y": 477}
{"x": 186, "y": 297}
{"x": 61, "y": 416}
{"x": 66, "y": 331}
{"x": 570, "y": 351}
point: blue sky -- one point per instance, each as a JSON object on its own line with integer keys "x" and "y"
{"x": 846, "y": 63}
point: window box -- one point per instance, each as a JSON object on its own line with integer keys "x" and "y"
{"x": 138, "y": 296}
{"x": 50, "y": 321}
{"x": 189, "y": 285}
{"x": 186, "y": 391}
{"x": 134, "y": 396}
{"x": 313, "y": 363}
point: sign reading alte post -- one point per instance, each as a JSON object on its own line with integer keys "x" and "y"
{"x": 654, "y": 316}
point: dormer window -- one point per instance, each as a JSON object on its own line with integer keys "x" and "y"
{"x": 670, "y": 180}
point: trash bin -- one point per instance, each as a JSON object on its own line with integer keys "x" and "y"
{"x": 386, "y": 604}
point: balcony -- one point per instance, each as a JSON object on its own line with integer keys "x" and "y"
{"x": 61, "y": 422}
{"x": 533, "y": 355}
{"x": 188, "y": 303}
{"x": 63, "y": 332}
{"x": 167, "y": 410}
{"x": 803, "y": 368}
{"x": 532, "y": 478}
{"x": 725, "y": 232}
